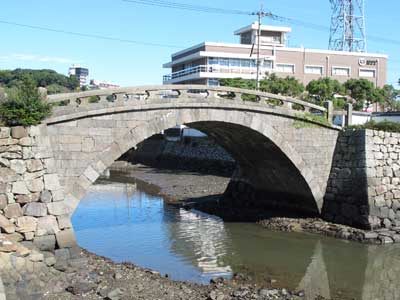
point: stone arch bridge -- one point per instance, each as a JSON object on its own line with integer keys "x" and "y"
{"x": 279, "y": 154}
{"x": 284, "y": 156}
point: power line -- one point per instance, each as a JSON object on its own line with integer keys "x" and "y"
{"x": 184, "y": 6}
{"x": 88, "y": 35}
{"x": 207, "y": 9}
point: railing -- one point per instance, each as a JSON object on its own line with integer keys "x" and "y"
{"x": 162, "y": 93}
{"x": 213, "y": 69}
{"x": 185, "y": 72}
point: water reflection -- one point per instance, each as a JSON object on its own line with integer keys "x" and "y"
{"x": 201, "y": 238}
{"x": 120, "y": 221}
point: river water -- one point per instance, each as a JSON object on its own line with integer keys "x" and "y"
{"x": 127, "y": 221}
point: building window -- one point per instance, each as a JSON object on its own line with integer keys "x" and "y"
{"x": 341, "y": 71}
{"x": 267, "y": 64}
{"x": 245, "y": 63}
{"x": 213, "y": 61}
{"x": 234, "y": 62}
{"x": 367, "y": 73}
{"x": 224, "y": 62}
{"x": 213, "y": 82}
{"x": 317, "y": 70}
{"x": 285, "y": 68}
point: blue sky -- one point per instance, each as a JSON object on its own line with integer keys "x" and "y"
{"x": 133, "y": 64}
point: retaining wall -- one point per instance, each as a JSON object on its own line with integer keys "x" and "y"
{"x": 364, "y": 184}
{"x": 201, "y": 154}
{"x": 31, "y": 197}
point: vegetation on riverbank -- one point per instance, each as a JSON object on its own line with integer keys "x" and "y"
{"x": 385, "y": 125}
{"x": 24, "y": 105}
{"x": 305, "y": 120}
{"x": 359, "y": 92}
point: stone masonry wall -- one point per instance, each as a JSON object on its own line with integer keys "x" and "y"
{"x": 383, "y": 173}
{"x": 364, "y": 185}
{"x": 31, "y": 197}
{"x": 200, "y": 154}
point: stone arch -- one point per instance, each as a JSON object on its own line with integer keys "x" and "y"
{"x": 169, "y": 118}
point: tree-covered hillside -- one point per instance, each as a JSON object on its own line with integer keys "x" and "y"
{"x": 53, "y": 81}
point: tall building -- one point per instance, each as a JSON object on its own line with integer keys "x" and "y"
{"x": 81, "y": 73}
{"x": 208, "y": 62}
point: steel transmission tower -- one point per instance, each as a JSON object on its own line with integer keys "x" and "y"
{"x": 348, "y": 26}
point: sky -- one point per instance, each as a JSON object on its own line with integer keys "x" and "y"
{"x": 131, "y": 64}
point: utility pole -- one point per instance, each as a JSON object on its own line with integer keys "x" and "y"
{"x": 260, "y": 14}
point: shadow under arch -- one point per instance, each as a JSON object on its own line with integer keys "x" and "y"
{"x": 270, "y": 163}
{"x": 265, "y": 178}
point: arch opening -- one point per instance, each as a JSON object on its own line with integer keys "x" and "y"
{"x": 264, "y": 182}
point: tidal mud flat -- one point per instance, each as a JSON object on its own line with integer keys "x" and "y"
{"x": 204, "y": 192}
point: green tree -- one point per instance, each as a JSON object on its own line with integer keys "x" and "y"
{"x": 238, "y": 83}
{"x": 288, "y": 86}
{"x": 324, "y": 89}
{"x": 390, "y": 97}
{"x": 24, "y": 106}
{"x": 363, "y": 92}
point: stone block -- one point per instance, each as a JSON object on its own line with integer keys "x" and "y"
{"x": 3, "y": 201}
{"x": 19, "y": 187}
{"x": 396, "y": 205}
{"x": 381, "y": 189}
{"x": 33, "y": 197}
{"x": 30, "y": 176}
{"x": 88, "y": 144}
{"x": 15, "y": 237}
{"x": 91, "y": 174}
{"x": 28, "y": 236}
{"x": 64, "y": 221}
{"x": 36, "y": 257}
{"x": 35, "y": 209}
{"x": 13, "y": 211}
{"x": 4, "y": 132}
{"x": 58, "y": 195}
{"x": 51, "y": 182}
{"x": 62, "y": 254}
{"x": 48, "y": 224}
{"x": 45, "y": 243}
{"x": 5, "y": 225}
{"x": 25, "y": 141}
{"x": 384, "y": 212}
{"x": 8, "y": 141}
{"x": 19, "y": 132}
{"x": 34, "y": 165}
{"x": 27, "y": 153}
{"x": 58, "y": 208}
{"x": 387, "y": 171}
{"x": 18, "y": 166}
{"x": 380, "y": 201}
{"x": 46, "y": 196}
{"x": 392, "y": 215}
{"x": 26, "y": 224}
{"x": 35, "y": 185}
{"x": 66, "y": 239}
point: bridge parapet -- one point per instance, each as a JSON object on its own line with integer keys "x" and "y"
{"x": 153, "y": 94}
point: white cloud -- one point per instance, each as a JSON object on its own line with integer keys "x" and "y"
{"x": 38, "y": 58}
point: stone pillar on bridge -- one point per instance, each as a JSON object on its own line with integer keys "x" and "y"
{"x": 349, "y": 114}
{"x": 329, "y": 110}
